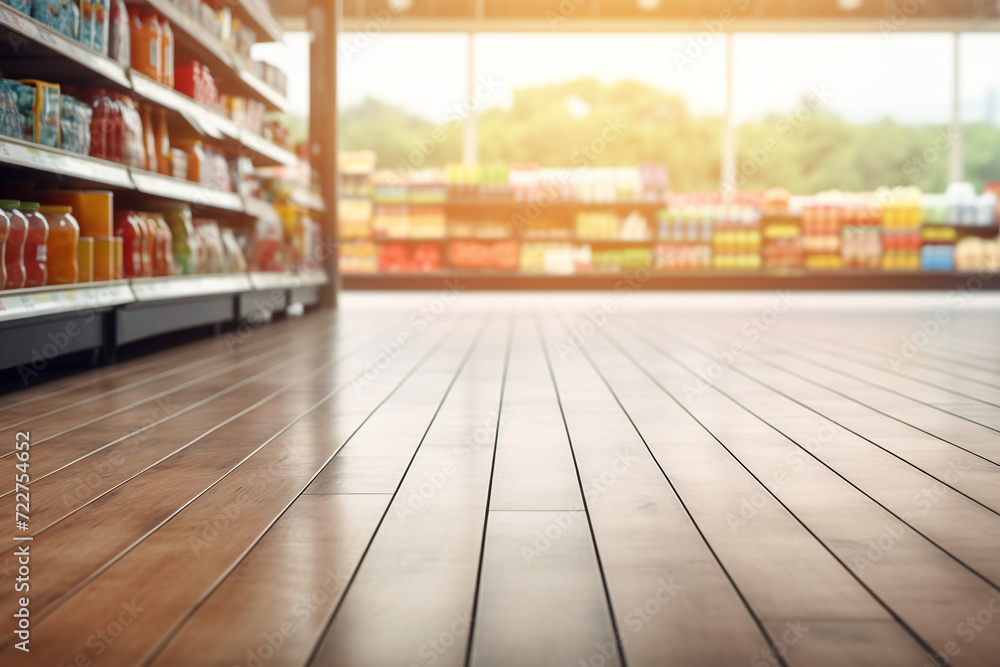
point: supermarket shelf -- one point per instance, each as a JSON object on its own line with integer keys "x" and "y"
{"x": 63, "y": 163}
{"x": 258, "y": 16}
{"x": 262, "y": 89}
{"x": 274, "y": 280}
{"x": 513, "y": 203}
{"x": 258, "y": 208}
{"x": 273, "y": 152}
{"x": 16, "y": 27}
{"x": 662, "y": 280}
{"x": 185, "y": 191}
{"x": 204, "y": 120}
{"x": 313, "y": 278}
{"x": 308, "y": 199}
{"x": 211, "y": 50}
{"x": 58, "y": 299}
{"x": 187, "y": 287}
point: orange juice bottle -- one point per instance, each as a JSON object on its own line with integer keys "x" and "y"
{"x": 146, "y": 37}
{"x": 64, "y": 236}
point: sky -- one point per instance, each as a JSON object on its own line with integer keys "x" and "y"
{"x": 864, "y": 77}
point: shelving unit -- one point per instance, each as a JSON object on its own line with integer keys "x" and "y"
{"x": 103, "y": 316}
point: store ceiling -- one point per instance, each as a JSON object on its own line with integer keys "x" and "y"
{"x": 658, "y": 15}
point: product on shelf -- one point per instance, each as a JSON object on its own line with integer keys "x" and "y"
{"x": 85, "y": 259}
{"x": 14, "y": 250}
{"x": 167, "y": 53}
{"x": 117, "y": 258}
{"x": 685, "y": 232}
{"x": 163, "y": 255}
{"x": 93, "y": 209}
{"x": 39, "y": 102}
{"x": 146, "y": 41}
{"x": 901, "y": 222}
{"x": 358, "y": 257}
{"x": 782, "y": 247}
{"x": 12, "y": 122}
{"x": 737, "y": 238}
{"x": 119, "y": 37}
{"x": 127, "y": 228}
{"x": 401, "y": 257}
{"x": 195, "y": 80}
{"x": 4, "y": 233}
{"x": 61, "y": 15}
{"x": 161, "y": 143}
{"x": 23, "y": 6}
{"x": 104, "y": 258}
{"x": 483, "y": 255}
{"x": 185, "y": 250}
{"x": 822, "y": 232}
{"x": 354, "y": 218}
{"x": 64, "y": 237}
{"x": 938, "y": 250}
{"x": 94, "y": 17}
{"x": 74, "y": 123}
{"x": 150, "y": 151}
{"x": 35, "y": 246}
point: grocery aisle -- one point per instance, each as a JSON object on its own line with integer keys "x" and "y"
{"x": 452, "y": 478}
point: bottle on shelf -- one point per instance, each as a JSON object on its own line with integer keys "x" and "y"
{"x": 14, "y": 251}
{"x": 35, "y": 246}
{"x": 128, "y": 231}
{"x": 146, "y": 37}
{"x": 64, "y": 237}
{"x": 151, "y": 154}
{"x": 161, "y": 141}
{"x": 85, "y": 259}
{"x": 4, "y": 233}
{"x": 167, "y": 52}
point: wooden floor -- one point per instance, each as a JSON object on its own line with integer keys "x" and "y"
{"x": 503, "y": 480}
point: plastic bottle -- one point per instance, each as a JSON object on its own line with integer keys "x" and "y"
{"x": 146, "y": 39}
{"x": 167, "y": 52}
{"x": 161, "y": 141}
{"x": 35, "y": 246}
{"x": 163, "y": 255}
{"x": 14, "y": 252}
{"x": 151, "y": 157}
{"x": 64, "y": 237}
{"x": 4, "y": 233}
{"x": 126, "y": 228}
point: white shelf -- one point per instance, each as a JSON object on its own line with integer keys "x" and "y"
{"x": 274, "y": 280}
{"x": 204, "y": 120}
{"x": 308, "y": 199}
{"x": 313, "y": 278}
{"x": 269, "y": 94}
{"x": 31, "y": 29}
{"x": 184, "y": 287}
{"x": 58, "y": 161}
{"x": 261, "y": 19}
{"x": 57, "y": 299}
{"x": 265, "y": 148}
{"x": 185, "y": 191}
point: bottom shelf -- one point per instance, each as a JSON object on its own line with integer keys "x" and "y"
{"x": 676, "y": 280}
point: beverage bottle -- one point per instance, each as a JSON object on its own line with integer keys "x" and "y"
{"x": 35, "y": 246}
{"x": 149, "y": 139}
{"x": 161, "y": 141}
{"x": 126, "y": 228}
{"x": 4, "y": 233}
{"x": 64, "y": 237}
{"x": 167, "y": 52}
{"x": 14, "y": 250}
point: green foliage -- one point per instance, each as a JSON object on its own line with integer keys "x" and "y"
{"x": 626, "y": 123}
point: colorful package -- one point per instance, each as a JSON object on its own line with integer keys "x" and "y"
{"x": 94, "y": 24}
{"x": 23, "y": 6}
{"x": 60, "y": 15}
{"x": 75, "y": 125}
{"x": 45, "y": 109}
{"x": 11, "y": 121}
